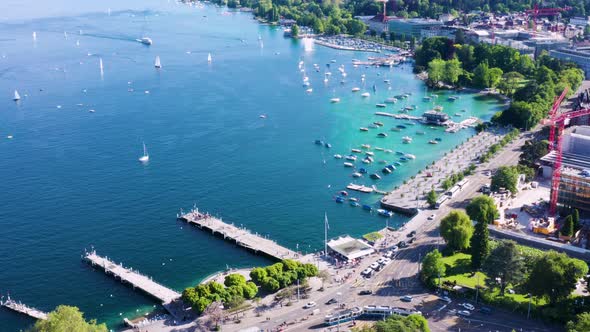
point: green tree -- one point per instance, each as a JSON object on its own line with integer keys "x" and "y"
{"x": 482, "y": 208}
{"x": 481, "y": 75}
{"x": 510, "y": 82}
{"x": 392, "y": 35}
{"x": 582, "y": 323}
{"x": 397, "y": 323}
{"x": 431, "y": 198}
{"x": 494, "y": 75}
{"x": 67, "y": 318}
{"x": 480, "y": 245}
{"x": 436, "y": 71}
{"x": 568, "y": 227}
{"x": 432, "y": 268}
{"x": 532, "y": 151}
{"x": 576, "y": 220}
{"x": 270, "y": 285}
{"x": 295, "y": 31}
{"x": 234, "y": 279}
{"x": 258, "y": 274}
{"x": 505, "y": 265}
{"x": 456, "y": 229}
{"x": 452, "y": 70}
{"x": 249, "y": 290}
{"x": 505, "y": 177}
{"x": 554, "y": 276}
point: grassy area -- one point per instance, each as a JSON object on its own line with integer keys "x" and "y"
{"x": 372, "y": 237}
{"x": 459, "y": 271}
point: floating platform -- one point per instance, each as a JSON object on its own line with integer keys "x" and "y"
{"x": 241, "y": 236}
{"x": 361, "y": 188}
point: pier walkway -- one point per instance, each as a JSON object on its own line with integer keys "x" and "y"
{"x": 23, "y": 309}
{"x": 136, "y": 279}
{"x": 242, "y": 237}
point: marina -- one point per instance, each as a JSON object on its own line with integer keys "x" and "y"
{"x": 22, "y": 308}
{"x": 241, "y": 236}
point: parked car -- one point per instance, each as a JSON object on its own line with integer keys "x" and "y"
{"x": 367, "y": 272}
{"x": 375, "y": 266}
{"x": 412, "y": 240}
{"x": 411, "y": 234}
{"x": 467, "y": 306}
{"x": 394, "y": 249}
{"x": 386, "y": 261}
{"x": 464, "y": 313}
{"x": 366, "y": 292}
{"x": 445, "y": 299}
{"x": 402, "y": 244}
{"x": 381, "y": 260}
{"x": 431, "y": 217}
{"x": 332, "y": 301}
{"x": 486, "y": 310}
{"x": 406, "y": 298}
{"x": 309, "y": 305}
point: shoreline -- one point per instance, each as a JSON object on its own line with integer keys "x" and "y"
{"x": 343, "y": 48}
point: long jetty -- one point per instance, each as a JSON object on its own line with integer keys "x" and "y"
{"x": 23, "y": 309}
{"x": 241, "y": 236}
{"x": 134, "y": 278}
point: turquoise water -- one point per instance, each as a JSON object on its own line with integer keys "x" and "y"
{"x": 71, "y": 180}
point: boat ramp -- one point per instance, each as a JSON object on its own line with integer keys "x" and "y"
{"x": 241, "y": 236}
{"x": 23, "y": 308}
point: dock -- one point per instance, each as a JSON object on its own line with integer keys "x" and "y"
{"x": 23, "y": 309}
{"x": 134, "y": 278}
{"x": 241, "y": 236}
{"x": 361, "y": 188}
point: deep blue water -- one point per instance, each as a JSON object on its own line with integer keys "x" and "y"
{"x": 70, "y": 179}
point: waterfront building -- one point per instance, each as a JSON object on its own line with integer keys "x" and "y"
{"x": 574, "y": 185}
{"x": 435, "y": 117}
{"x": 348, "y": 248}
{"x": 439, "y": 31}
{"x": 411, "y": 27}
{"x": 580, "y": 56}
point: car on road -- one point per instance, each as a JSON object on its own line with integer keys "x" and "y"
{"x": 389, "y": 254}
{"x": 445, "y": 299}
{"x": 432, "y": 216}
{"x": 467, "y": 306}
{"x": 406, "y": 298}
{"x": 366, "y": 292}
{"x": 367, "y": 272}
{"x": 375, "y": 266}
{"x": 402, "y": 244}
{"x": 309, "y": 305}
{"x": 411, "y": 234}
{"x": 381, "y": 260}
{"x": 487, "y": 173}
{"x": 412, "y": 240}
{"x": 386, "y": 261}
{"x": 464, "y": 313}
{"x": 332, "y": 301}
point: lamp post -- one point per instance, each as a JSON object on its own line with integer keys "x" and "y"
{"x": 528, "y": 314}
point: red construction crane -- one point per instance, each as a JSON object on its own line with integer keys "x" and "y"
{"x": 558, "y": 123}
{"x": 536, "y": 11}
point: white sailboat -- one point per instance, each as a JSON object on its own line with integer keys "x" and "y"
{"x": 34, "y": 36}
{"x": 209, "y": 59}
{"x": 157, "y": 63}
{"x": 16, "y": 96}
{"x": 146, "y": 157}
{"x": 100, "y": 65}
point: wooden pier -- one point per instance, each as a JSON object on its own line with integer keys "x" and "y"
{"x": 136, "y": 279}
{"x": 23, "y": 309}
{"x": 241, "y": 236}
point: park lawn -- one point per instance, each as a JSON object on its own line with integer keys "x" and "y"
{"x": 459, "y": 270}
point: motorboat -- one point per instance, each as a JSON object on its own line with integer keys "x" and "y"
{"x": 420, "y": 132}
{"x": 386, "y": 170}
{"x": 380, "y": 105}
{"x": 337, "y": 156}
{"x": 146, "y": 41}
{"x": 369, "y": 153}
{"x": 378, "y": 148}
{"x": 356, "y": 175}
{"x": 401, "y": 127}
{"x": 391, "y": 167}
{"x": 366, "y": 146}
{"x": 407, "y": 139}
{"x": 427, "y": 98}
{"x": 350, "y": 157}
{"x": 382, "y": 135}
{"x": 399, "y": 153}
{"x": 375, "y": 176}
{"x": 319, "y": 142}
{"x": 453, "y": 98}
{"x": 354, "y": 204}
{"x": 310, "y": 90}
{"x": 365, "y": 95}
{"x": 347, "y": 164}
{"x": 388, "y": 151}
{"x": 410, "y": 156}
{"x": 356, "y": 150}
{"x": 397, "y": 163}
{"x": 385, "y": 213}
{"x": 355, "y": 89}
{"x": 391, "y": 100}
{"x": 364, "y": 129}
{"x": 438, "y": 139}
{"x": 438, "y": 108}
{"x": 432, "y": 142}
{"x": 377, "y": 123}
{"x": 367, "y": 207}
{"x": 458, "y": 114}
{"x": 343, "y": 193}
{"x": 339, "y": 199}
{"x": 363, "y": 170}
{"x": 327, "y": 145}
{"x": 335, "y": 100}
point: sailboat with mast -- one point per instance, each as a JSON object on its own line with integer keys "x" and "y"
{"x": 145, "y": 157}
{"x": 209, "y": 58}
{"x": 157, "y": 63}
{"x": 16, "y": 96}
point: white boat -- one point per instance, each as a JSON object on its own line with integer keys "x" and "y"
{"x": 146, "y": 157}
{"x": 305, "y": 79}
{"x": 355, "y": 89}
{"x": 16, "y": 96}
{"x": 145, "y": 41}
{"x": 391, "y": 100}
{"x": 310, "y": 90}
{"x": 350, "y": 157}
{"x": 411, "y": 156}
{"x": 34, "y": 35}
{"x": 209, "y": 58}
{"x": 338, "y": 156}
{"x": 335, "y": 100}
{"x": 407, "y": 139}
{"x": 356, "y": 175}
{"x": 100, "y": 65}
{"x": 365, "y": 94}
{"x": 348, "y": 164}
{"x": 157, "y": 63}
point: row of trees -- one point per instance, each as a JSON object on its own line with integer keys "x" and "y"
{"x": 532, "y": 84}
{"x": 495, "y": 148}
{"x": 67, "y": 318}
{"x": 236, "y": 289}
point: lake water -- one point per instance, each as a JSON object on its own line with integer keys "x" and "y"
{"x": 70, "y": 179}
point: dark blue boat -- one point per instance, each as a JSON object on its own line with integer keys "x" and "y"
{"x": 367, "y": 207}
{"x": 362, "y": 170}
{"x": 339, "y": 199}
{"x": 319, "y": 142}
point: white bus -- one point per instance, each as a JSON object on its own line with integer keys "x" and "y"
{"x": 440, "y": 201}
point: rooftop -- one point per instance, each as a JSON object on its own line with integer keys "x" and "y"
{"x": 349, "y": 247}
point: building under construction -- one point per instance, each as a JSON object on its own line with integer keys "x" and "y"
{"x": 574, "y": 182}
